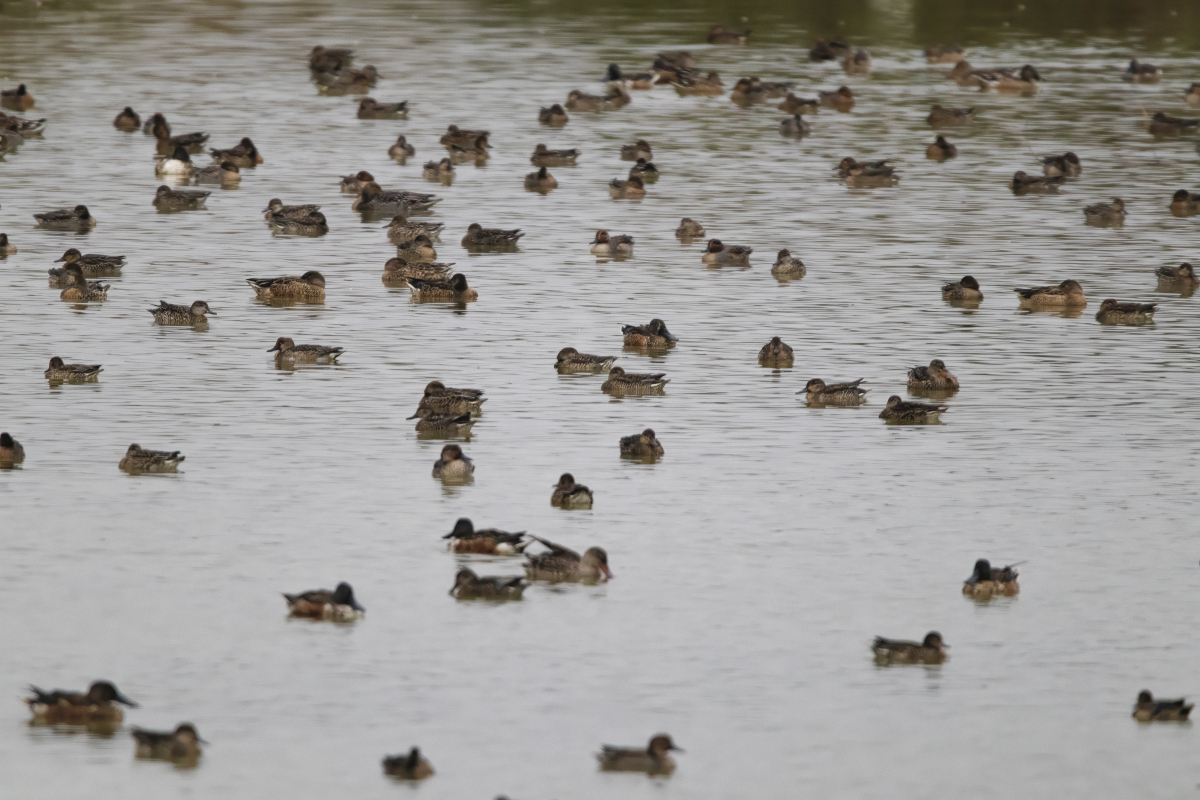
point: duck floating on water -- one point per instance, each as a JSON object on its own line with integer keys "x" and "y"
{"x": 97, "y": 704}
{"x": 897, "y": 651}
{"x": 336, "y": 606}
{"x": 137, "y": 460}
{"x": 655, "y": 759}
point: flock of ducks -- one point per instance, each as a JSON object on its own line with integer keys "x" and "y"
{"x": 449, "y": 411}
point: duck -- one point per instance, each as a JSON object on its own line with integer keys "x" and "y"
{"x": 309, "y": 286}
{"x": 287, "y": 350}
{"x": 457, "y": 137}
{"x": 374, "y": 199}
{"x": 160, "y": 129}
{"x": 640, "y": 149}
{"x": 397, "y": 271}
{"x": 410, "y": 766}
{"x": 642, "y": 81}
{"x": 1164, "y": 125}
{"x": 168, "y": 199}
{"x": 179, "y": 163}
{"x": 747, "y": 91}
{"x": 469, "y": 586}
{"x": 138, "y": 460}
{"x": 867, "y": 173}
{"x": 632, "y": 188}
{"x": 353, "y": 184}
{"x": 857, "y": 62}
{"x": 794, "y": 126}
{"x": 555, "y": 116}
{"x": 401, "y": 230}
{"x": 312, "y": 224}
{"x": 11, "y": 451}
{"x": 828, "y": 51}
{"x": 1023, "y": 183}
{"x": 486, "y": 541}
{"x": 655, "y": 759}
{"x": 620, "y": 382}
{"x": 1067, "y": 293}
{"x": 896, "y": 651}
{"x": 1138, "y": 72}
{"x": 72, "y": 373}
{"x": 687, "y": 83}
{"x": 672, "y": 62}
{"x": 642, "y": 445}
{"x": 817, "y": 392}
{"x": 418, "y": 249}
{"x": 563, "y": 564}
{"x": 1023, "y": 81}
{"x": 401, "y": 149}
{"x": 1066, "y": 165}
{"x": 329, "y": 59}
{"x": 1113, "y": 212}
{"x": 545, "y": 157}
{"x": 92, "y": 265}
{"x": 941, "y": 150}
{"x": 645, "y": 170}
{"x": 97, "y": 704}
{"x": 569, "y": 494}
{"x": 966, "y": 290}
{"x": 788, "y": 266}
{"x": 986, "y": 581}
{"x": 224, "y": 173}
{"x": 442, "y": 424}
{"x": 1150, "y": 710}
{"x": 719, "y": 253}
{"x": 940, "y": 117}
{"x": 18, "y": 99}
{"x": 66, "y": 219}
{"x": 453, "y": 463}
{"x": 935, "y": 377}
{"x": 841, "y": 99}
{"x": 1182, "y": 276}
{"x": 1184, "y": 203}
{"x": 454, "y": 288}
{"x": 1114, "y": 313}
{"x": 653, "y": 335}
{"x": 171, "y": 314}
{"x": 614, "y": 98}
{"x": 479, "y": 236}
{"x": 244, "y": 154}
{"x": 443, "y": 399}
{"x": 181, "y": 744}
{"x": 689, "y": 229}
{"x": 540, "y": 181}
{"x": 1192, "y": 95}
{"x": 276, "y": 208}
{"x": 571, "y": 360}
{"x": 898, "y": 410}
{"x": 7, "y": 248}
{"x": 348, "y": 81}
{"x": 370, "y": 108}
{"x": 81, "y": 290}
{"x": 776, "y": 353}
{"x": 944, "y": 54}
{"x": 127, "y": 121}
{"x": 336, "y": 606}
{"x": 721, "y": 35}
{"x": 606, "y": 245}
{"x": 799, "y": 105}
{"x": 21, "y": 128}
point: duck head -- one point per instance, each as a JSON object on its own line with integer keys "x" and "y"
{"x": 343, "y": 595}
{"x": 565, "y": 482}
{"x": 282, "y": 345}
{"x": 661, "y": 744}
{"x": 106, "y": 692}
{"x": 970, "y": 282}
{"x": 601, "y": 237}
{"x": 313, "y": 278}
{"x": 934, "y": 639}
{"x": 659, "y": 328}
{"x": 452, "y": 452}
{"x": 595, "y": 556}
{"x": 71, "y": 256}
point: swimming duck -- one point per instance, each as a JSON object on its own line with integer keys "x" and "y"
{"x": 941, "y": 54}
{"x": 329, "y": 59}
{"x": 453, "y": 464}
{"x": 181, "y": 744}
{"x": 620, "y": 382}
{"x": 554, "y": 116}
{"x": 794, "y": 126}
{"x": 689, "y": 229}
{"x": 1192, "y": 96}
{"x": 469, "y": 586}
{"x": 443, "y": 399}
{"x": 828, "y": 51}
{"x": 965, "y": 290}
{"x": 411, "y": 766}
{"x": 375, "y": 199}
{"x": 641, "y": 80}
{"x": 312, "y": 224}
{"x": 353, "y": 184}
{"x": 442, "y": 424}
{"x": 1066, "y": 165}
{"x": 11, "y": 451}
{"x": 80, "y": 290}
{"x": 898, "y": 410}
{"x": 477, "y": 152}
{"x": 614, "y": 98}
{"x": 72, "y": 373}
{"x": 1113, "y": 212}
{"x": 224, "y": 173}
{"x": 817, "y": 392}
{"x": 632, "y": 188}
{"x": 276, "y": 208}
{"x": 654, "y": 335}
{"x": 776, "y": 353}
{"x": 718, "y": 253}
{"x": 788, "y": 266}
{"x": 488, "y": 541}
{"x": 1184, "y": 203}
{"x": 545, "y": 157}
{"x": 857, "y": 62}
{"x": 1114, "y": 313}
{"x": 642, "y": 445}
{"x": 653, "y": 760}
{"x": 171, "y": 314}
{"x": 336, "y": 606}
{"x": 456, "y": 137}
{"x": 243, "y": 154}
{"x": 1067, "y": 293}
{"x": 1182, "y": 276}
{"x": 1023, "y": 81}
{"x": 569, "y": 494}
{"x": 401, "y": 149}
{"x": 799, "y": 105}
{"x": 881, "y": 170}
{"x": 18, "y": 99}
{"x": 1024, "y": 184}
{"x": 138, "y": 460}
{"x": 1150, "y": 710}
{"x": 606, "y": 245}
{"x": 1138, "y": 72}
{"x": 78, "y": 708}
{"x": 160, "y": 129}
{"x": 669, "y": 67}
{"x": 842, "y": 99}
{"x": 66, "y": 219}
{"x": 418, "y": 249}
{"x": 287, "y": 350}
{"x": 92, "y": 265}
{"x": 747, "y": 91}
{"x": 22, "y": 128}
{"x": 1163, "y": 125}
{"x": 896, "y": 651}
{"x": 309, "y": 286}
{"x": 540, "y": 181}
{"x": 941, "y": 150}
{"x": 401, "y": 230}
{"x": 935, "y": 377}
{"x": 479, "y": 236}
{"x": 645, "y": 170}
{"x": 571, "y": 360}
{"x": 347, "y": 81}
{"x": 987, "y": 581}
{"x": 397, "y": 271}
{"x": 179, "y": 163}
{"x": 454, "y": 288}
{"x": 721, "y": 35}
{"x": 7, "y": 248}
{"x": 168, "y": 199}
{"x": 564, "y": 564}
{"x": 940, "y": 117}
{"x": 692, "y": 82}
{"x": 127, "y": 120}
{"x": 369, "y": 108}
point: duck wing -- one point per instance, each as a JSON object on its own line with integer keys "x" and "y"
{"x": 556, "y": 550}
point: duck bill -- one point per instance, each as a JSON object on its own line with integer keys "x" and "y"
{"x": 273, "y": 349}
{"x": 120, "y": 698}
{"x": 60, "y": 260}
{"x": 670, "y": 337}
{"x": 414, "y": 416}
{"x": 210, "y": 312}
{"x": 677, "y": 749}
{"x": 607, "y": 572}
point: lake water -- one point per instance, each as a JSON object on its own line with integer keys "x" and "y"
{"x": 753, "y": 564}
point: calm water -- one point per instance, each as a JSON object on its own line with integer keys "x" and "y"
{"x": 753, "y": 564}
